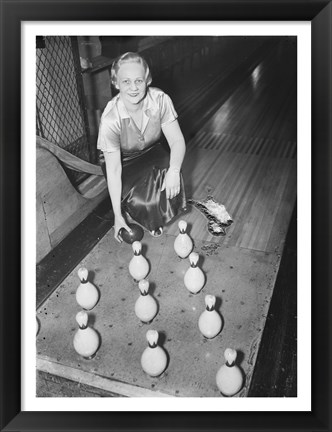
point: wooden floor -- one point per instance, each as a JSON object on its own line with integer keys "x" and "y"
{"x": 243, "y": 152}
{"x": 245, "y": 156}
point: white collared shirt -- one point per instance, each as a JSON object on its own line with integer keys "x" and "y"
{"x": 117, "y": 129}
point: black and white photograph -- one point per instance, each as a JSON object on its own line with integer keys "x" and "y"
{"x": 166, "y": 189}
{"x": 165, "y": 226}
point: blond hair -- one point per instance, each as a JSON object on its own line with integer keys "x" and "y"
{"x": 130, "y": 57}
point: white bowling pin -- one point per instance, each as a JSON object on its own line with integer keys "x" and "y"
{"x": 183, "y": 244}
{"x": 154, "y": 359}
{"x": 145, "y": 306}
{"x": 229, "y": 378}
{"x": 138, "y": 266}
{"x": 210, "y": 322}
{"x": 194, "y": 278}
{"x": 86, "y": 339}
{"x": 87, "y": 295}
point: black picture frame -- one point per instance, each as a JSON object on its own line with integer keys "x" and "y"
{"x": 319, "y": 12}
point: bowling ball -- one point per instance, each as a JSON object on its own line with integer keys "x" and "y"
{"x": 137, "y": 233}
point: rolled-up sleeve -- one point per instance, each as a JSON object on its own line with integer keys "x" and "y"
{"x": 167, "y": 110}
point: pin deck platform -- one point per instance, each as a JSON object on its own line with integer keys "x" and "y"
{"x": 241, "y": 280}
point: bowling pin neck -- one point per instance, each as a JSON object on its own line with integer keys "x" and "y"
{"x": 153, "y": 345}
{"x": 84, "y": 281}
{"x": 193, "y": 259}
{"x": 230, "y": 356}
{"x": 152, "y": 338}
{"x": 83, "y": 274}
{"x": 137, "y": 247}
{"x": 82, "y": 319}
{"x": 143, "y": 286}
{"x": 210, "y": 301}
{"x": 182, "y": 226}
{"x": 83, "y": 327}
{"x": 231, "y": 364}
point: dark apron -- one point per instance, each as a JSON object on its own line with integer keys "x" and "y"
{"x": 142, "y": 179}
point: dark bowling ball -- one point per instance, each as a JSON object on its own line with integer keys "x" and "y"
{"x": 137, "y": 234}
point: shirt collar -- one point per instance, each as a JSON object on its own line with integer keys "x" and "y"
{"x": 147, "y": 104}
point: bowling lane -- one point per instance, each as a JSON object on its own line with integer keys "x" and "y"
{"x": 264, "y": 104}
{"x": 241, "y": 280}
{"x": 245, "y": 157}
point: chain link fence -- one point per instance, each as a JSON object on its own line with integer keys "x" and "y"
{"x": 60, "y": 109}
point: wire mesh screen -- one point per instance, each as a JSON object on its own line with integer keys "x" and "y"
{"x": 61, "y": 116}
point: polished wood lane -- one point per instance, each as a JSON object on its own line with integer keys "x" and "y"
{"x": 245, "y": 156}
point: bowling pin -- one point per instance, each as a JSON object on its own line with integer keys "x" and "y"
{"x": 86, "y": 339}
{"x": 183, "y": 244}
{"x": 210, "y": 322}
{"x": 194, "y": 278}
{"x": 87, "y": 295}
{"x": 229, "y": 378}
{"x": 145, "y": 306}
{"x": 154, "y": 359}
{"x": 138, "y": 266}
